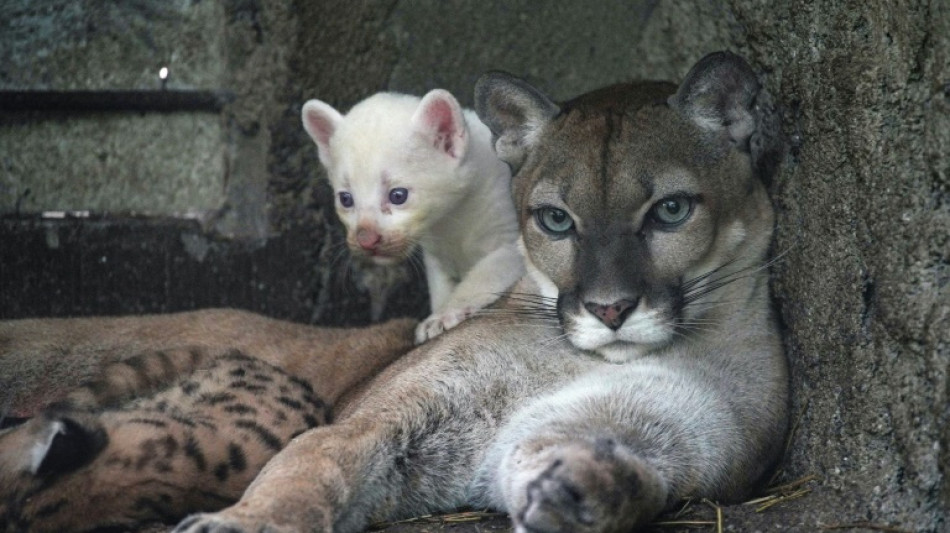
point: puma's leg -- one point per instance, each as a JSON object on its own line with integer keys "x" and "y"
{"x": 398, "y": 460}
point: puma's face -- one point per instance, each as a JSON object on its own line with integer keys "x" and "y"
{"x": 631, "y": 212}
{"x": 391, "y": 161}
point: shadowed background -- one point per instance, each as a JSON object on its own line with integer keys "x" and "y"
{"x": 132, "y": 210}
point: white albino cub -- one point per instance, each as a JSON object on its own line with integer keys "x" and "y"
{"x": 413, "y": 172}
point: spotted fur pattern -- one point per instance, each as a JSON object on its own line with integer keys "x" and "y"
{"x": 156, "y": 437}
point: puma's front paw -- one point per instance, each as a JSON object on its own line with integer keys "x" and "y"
{"x": 590, "y": 488}
{"x": 438, "y": 323}
{"x": 216, "y": 523}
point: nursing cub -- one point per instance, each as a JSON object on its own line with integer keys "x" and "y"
{"x": 637, "y": 363}
{"x": 184, "y": 418}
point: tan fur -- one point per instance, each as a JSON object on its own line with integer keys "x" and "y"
{"x": 172, "y": 430}
{"x": 42, "y": 359}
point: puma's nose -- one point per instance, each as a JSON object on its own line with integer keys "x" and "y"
{"x": 368, "y": 239}
{"x": 612, "y": 315}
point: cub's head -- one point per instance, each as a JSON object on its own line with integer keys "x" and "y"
{"x": 391, "y": 161}
{"x": 641, "y": 206}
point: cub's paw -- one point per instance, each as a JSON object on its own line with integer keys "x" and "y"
{"x": 216, "y": 523}
{"x": 438, "y": 323}
{"x": 590, "y": 487}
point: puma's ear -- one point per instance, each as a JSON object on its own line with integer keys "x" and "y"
{"x": 722, "y": 94}
{"x": 440, "y": 121}
{"x": 321, "y": 121}
{"x": 515, "y": 112}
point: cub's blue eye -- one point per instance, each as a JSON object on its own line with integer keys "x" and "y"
{"x": 346, "y": 199}
{"x": 672, "y": 211}
{"x": 398, "y": 196}
{"x": 553, "y": 220}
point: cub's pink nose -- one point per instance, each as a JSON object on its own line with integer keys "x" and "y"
{"x": 614, "y": 314}
{"x": 368, "y": 239}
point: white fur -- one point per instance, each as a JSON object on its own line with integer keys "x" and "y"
{"x": 458, "y": 210}
{"x": 505, "y": 470}
{"x": 641, "y": 333}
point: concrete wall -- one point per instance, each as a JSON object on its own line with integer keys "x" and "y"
{"x": 863, "y": 283}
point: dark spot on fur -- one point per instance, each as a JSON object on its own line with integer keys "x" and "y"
{"x": 314, "y": 401}
{"x": 158, "y": 508}
{"x": 169, "y": 445}
{"x": 193, "y": 452}
{"x": 263, "y": 377}
{"x": 136, "y": 363}
{"x": 148, "y": 422}
{"x": 301, "y": 383}
{"x": 238, "y": 372}
{"x": 240, "y": 409}
{"x": 262, "y": 433}
{"x": 311, "y": 420}
{"x": 236, "y": 458}
{"x": 221, "y": 471}
{"x": 241, "y": 384}
{"x": 195, "y": 354}
{"x": 157, "y": 450}
{"x": 237, "y": 355}
{"x": 182, "y": 420}
{"x": 290, "y": 402}
{"x": 168, "y": 366}
{"x": 216, "y": 398}
{"x": 189, "y": 387}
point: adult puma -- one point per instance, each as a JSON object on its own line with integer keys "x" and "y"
{"x": 638, "y": 362}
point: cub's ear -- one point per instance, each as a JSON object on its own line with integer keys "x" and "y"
{"x": 51, "y": 444}
{"x": 515, "y": 112}
{"x": 440, "y": 121}
{"x": 722, "y": 94}
{"x": 321, "y": 121}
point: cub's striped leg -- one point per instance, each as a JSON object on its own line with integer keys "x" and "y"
{"x": 193, "y": 445}
{"x": 137, "y": 376}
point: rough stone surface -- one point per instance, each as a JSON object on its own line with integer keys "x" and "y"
{"x": 862, "y": 278}
{"x": 90, "y": 44}
{"x": 96, "y": 163}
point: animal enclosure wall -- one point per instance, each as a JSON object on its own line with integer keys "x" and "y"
{"x": 118, "y": 210}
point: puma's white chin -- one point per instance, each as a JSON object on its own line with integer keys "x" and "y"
{"x": 612, "y": 348}
{"x": 640, "y": 335}
{"x": 621, "y": 352}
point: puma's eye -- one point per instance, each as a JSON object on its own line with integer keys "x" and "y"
{"x": 346, "y": 199}
{"x": 554, "y": 220}
{"x": 672, "y": 211}
{"x": 398, "y": 196}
